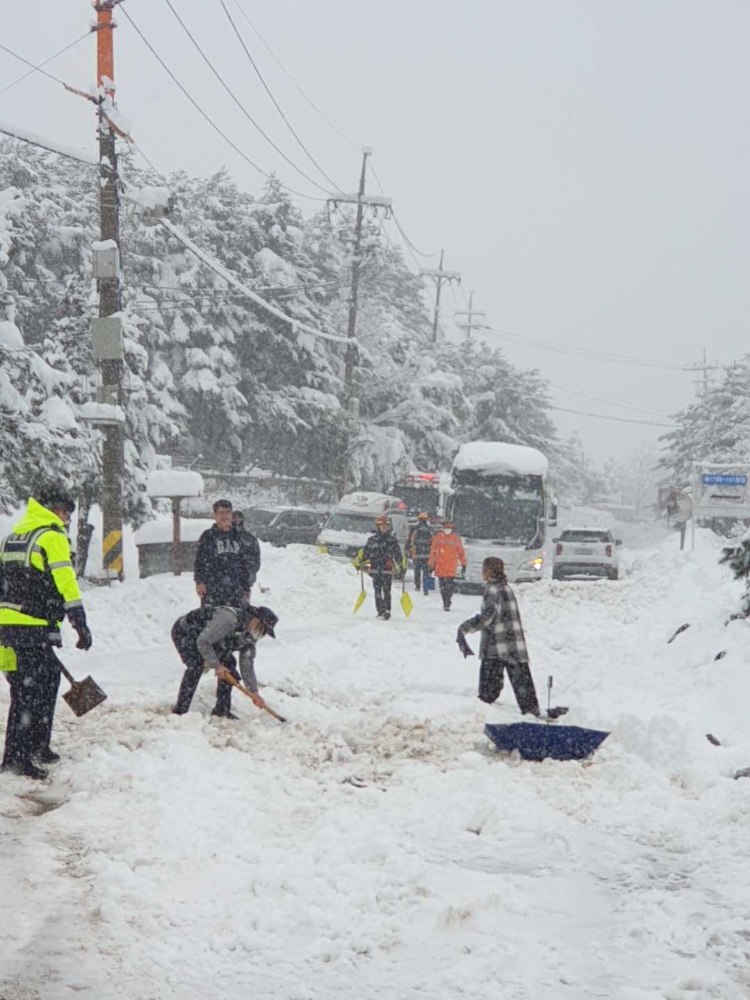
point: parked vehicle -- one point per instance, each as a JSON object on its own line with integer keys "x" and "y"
{"x": 586, "y": 552}
{"x": 350, "y": 525}
{"x": 284, "y": 525}
{"x": 420, "y": 491}
{"x": 500, "y": 505}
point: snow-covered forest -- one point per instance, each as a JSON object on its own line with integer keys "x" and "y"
{"x": 207, "y": 372}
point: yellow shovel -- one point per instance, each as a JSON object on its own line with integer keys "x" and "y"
{"x": 406, "y": 602}
{"x": 362, "y": 594}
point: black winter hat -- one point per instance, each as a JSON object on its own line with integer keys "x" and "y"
{"x": 55, "y": 498}
{"x": 268, "y": 618}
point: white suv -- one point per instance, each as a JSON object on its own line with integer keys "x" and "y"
{"x": 586, "y": 552}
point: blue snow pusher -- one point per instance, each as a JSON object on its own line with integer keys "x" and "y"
{"x": 536, "y": 741}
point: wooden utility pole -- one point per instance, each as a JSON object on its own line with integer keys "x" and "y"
{"x": 362, "y": 201}
{"x": 113, "y": 464}
{"x": 468, "y": 316}
{"x": 703, "y": 385}
{"x": 440, "y": 277}
{"x": 351, "y": 331}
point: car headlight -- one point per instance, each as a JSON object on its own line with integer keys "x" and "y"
{"x": 534, "y": 564}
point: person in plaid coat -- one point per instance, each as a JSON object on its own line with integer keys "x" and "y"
{"x": 503, "y": 646}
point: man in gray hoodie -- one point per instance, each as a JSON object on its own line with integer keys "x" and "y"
{"x": 208, "y": 638}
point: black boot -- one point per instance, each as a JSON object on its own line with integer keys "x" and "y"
{"x": 48, "y": 756}
{"x": 223, "y": 714}
{"x": 25, "y": 769}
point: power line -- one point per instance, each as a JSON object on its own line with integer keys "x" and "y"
{"x": 239, "y": 103}
{"x": 289, "y": 76}
{"x": 604, "y": 416}
{"x": 35, "y": 69}
{"x": 612, "y": 401}
{"x": 421, "y": 253}
{"x": 38, "y": 69}
{"x": 248, "y": 292}
{"x": 273, "y": 99}
{"x": 590, "y": 354}
{"x": 207, "y": 117}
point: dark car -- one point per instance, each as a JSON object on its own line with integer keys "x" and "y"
{"x": 284, "y": 525}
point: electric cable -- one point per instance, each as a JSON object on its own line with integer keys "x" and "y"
{"x": 604, "y": 416}
{"x": 239, "y": 103}
{"x": 227, "y": 275}
{"x": 416, "y": 250}
{"x": 273, "y": 99}
{"x": 38, "y": 68}
{"x": 208, "y": 118}
{"x": 589, "y": 354}
{"x": 35, "y": 69}
{"x": 326, "y": 119}
{"x": 612, "y": 401}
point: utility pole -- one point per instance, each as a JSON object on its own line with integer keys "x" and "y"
{"x": 440, "y": 277}
{"x": 362, "y": 201}
{"x": 351, "y": 330}
{"x": 110, "y": 355}
{"x": 469, "y": 313}
{"x": 702, "y": 384}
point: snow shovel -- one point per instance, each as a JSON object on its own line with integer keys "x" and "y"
{"x": 538, "y": 742}
{"x": 405, "y": 602}
{"x": 83, "y": 695}
{"x": 266, "y": 708}
{"x": 362, "y": 594}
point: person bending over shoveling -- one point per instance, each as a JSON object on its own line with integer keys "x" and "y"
{"x": 503, "y": 646}
{"x": 208, "y": 638}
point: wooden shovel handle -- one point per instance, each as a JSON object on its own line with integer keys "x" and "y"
{"x": 266, "y": 708}
{"x": 67, "y": 674}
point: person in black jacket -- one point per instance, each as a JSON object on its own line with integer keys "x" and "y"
{"x": 419, "y": 545}
{"x": 208, "y": 638}
{"x": 382, "y": 554}
{"x": 250, "y": 546}
{"x": 221, "y": 569}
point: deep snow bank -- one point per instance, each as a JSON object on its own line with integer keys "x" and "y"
{"x": 375, "y": 847}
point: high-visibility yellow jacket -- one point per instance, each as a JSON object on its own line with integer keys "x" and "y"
{"x": 38, "y": 582}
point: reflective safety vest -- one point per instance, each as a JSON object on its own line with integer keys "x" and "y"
{"x": 37, "y": 581}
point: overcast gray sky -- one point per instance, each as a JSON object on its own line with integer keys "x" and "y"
{"x": 583, "y": 162}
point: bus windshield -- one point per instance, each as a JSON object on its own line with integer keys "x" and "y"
{"x": 418, "y": 498}
{"x": 503, "y": 510}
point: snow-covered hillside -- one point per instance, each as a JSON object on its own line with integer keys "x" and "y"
{"x": 375, "y": 846}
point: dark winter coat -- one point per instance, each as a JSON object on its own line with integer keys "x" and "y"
{"x": 383, "y": 553}
{"x": 251, "y": 550}
{"x": 500, "y": 623}
{"x": 421, "y": 541}
{"x": 216, "y": 634}
{"x": 221, "y": 564}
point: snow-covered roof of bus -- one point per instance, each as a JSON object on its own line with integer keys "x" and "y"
{"x": 496, "y": 458}
{"x": 368, "y": 502}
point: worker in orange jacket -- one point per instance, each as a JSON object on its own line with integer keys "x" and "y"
{"x": 446, "y": 552}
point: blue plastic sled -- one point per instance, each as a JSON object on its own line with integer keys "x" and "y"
{"x": 536, "y": 741}
{"x": 429, "y": 583}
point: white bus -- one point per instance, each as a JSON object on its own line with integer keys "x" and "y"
{"x": 499, "y": 505}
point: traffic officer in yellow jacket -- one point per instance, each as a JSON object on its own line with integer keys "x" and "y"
{"x": 38, "y": 588}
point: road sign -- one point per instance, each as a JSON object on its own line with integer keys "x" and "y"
{"x": 716, "y": 479}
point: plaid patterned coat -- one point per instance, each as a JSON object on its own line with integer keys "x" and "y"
{"x": 499, "y": 621}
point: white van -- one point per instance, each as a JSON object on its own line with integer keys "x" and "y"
{"x": 350, "y": 525}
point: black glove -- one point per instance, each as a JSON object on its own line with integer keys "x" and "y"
{"x": 463, "y": 572}
{"x": 77, "y": 618}
{"x": 463, "y": 644}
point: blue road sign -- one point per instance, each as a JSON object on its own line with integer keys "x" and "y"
{"x": 715, "y": 479}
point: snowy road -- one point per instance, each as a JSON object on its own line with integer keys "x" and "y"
{"x": 375, "y": 847}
